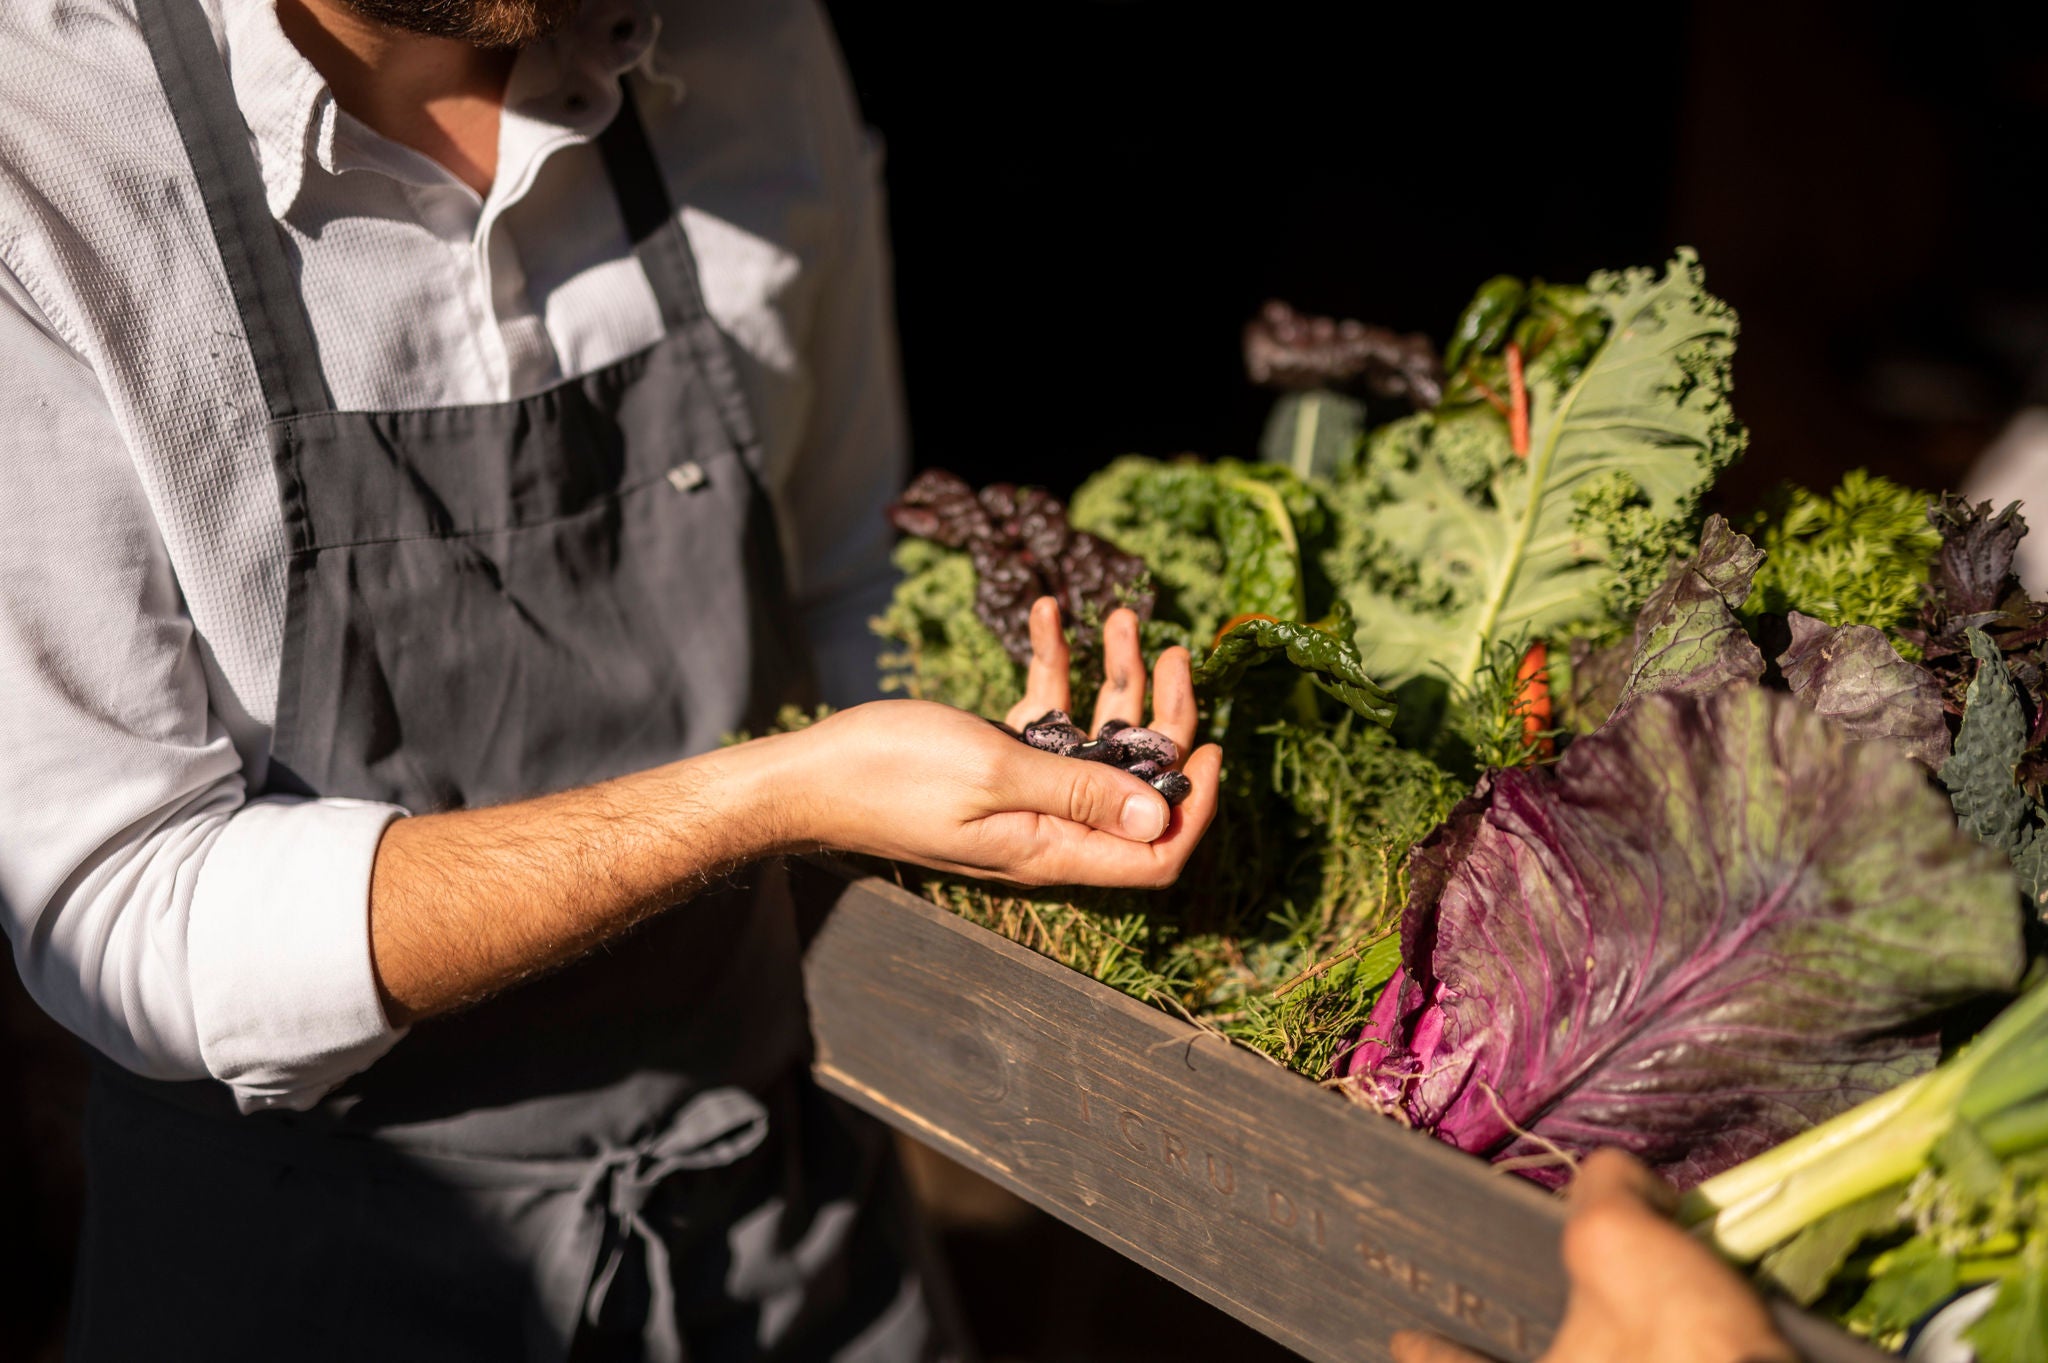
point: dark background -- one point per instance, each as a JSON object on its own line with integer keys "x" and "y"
{"x": 1089, "y": 199}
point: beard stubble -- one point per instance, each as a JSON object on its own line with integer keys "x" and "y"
{"x": 496, "y": 24}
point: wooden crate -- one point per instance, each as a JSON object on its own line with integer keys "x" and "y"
{"x": 1321, "y": 1225}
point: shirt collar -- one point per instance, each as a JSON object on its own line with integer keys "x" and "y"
{"x": 292, "y": 114}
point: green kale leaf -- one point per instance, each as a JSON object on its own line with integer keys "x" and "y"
{"x": 1450, "y": 541}
{"x": 1222, "y": 539}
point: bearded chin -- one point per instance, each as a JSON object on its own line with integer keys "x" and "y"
{"x": 481, "y": 23}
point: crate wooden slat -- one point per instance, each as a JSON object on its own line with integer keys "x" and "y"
{"x": 1321, "y": 1225}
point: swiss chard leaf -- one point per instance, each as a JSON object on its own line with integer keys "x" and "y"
{"x": 1325, "y": 654}
{"x": 1716, "y": 921}
{"x": 1460, "y": 543}
{"x": 1688, "y": 637}
{"x": 1854, "y": 676}
{"x": 1980, "y": 774}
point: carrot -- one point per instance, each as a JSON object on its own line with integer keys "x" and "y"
{"x": 1518, "y": 403}
{"x": 1532, "y": 699}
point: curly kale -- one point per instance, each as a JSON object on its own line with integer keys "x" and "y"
{"x": 1222, "y": 539}
{"x": 940, "y": 648}
{"x": 1855, "y": 556}
{"x": 1548, "y": 491}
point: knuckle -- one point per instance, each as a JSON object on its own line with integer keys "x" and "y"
{"x": 1085, "y": 799}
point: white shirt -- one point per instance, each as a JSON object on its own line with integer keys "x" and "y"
{"x": 179, "y": 926}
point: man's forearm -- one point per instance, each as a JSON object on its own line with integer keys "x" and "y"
{"x": 465, "y": 904}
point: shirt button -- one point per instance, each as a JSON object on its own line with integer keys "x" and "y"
{"x": 687, "y": 476}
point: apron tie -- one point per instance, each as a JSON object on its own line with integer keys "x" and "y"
{"x": 715, "y": 1129}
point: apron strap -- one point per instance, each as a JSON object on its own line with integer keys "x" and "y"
{"x": 656, "y": 230}
{"x": 216, "y": 138}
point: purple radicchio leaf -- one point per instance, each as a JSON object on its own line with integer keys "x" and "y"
{"x": 1687, "y": 635}
{"x": 1852, "y": 675}
{"x": 1710, "y": 925}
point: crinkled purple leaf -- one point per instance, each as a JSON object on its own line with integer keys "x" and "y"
{"x": 1687, "y": 636}
{"x": 1853, "y": 676}
{"x": 1711, "y": 924}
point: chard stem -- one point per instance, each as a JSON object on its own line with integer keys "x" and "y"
{"x": 1750, "y": 1180}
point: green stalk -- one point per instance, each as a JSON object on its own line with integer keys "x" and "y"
{"x": 1993, "y": 1081}
{"x": 1754, "y": 1178}
{"x": 2016, "y": 1132}
{"x": 1308, "y": 415}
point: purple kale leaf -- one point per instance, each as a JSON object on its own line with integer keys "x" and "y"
{"x": 1852, "y": 675}
{"x": 1713, "y": 923}
{"x": 1023, "y": 549}
{"x": 1292, "y": 350}
{"x": 1971, "y": 585}
{"x": 1687, "y": 635}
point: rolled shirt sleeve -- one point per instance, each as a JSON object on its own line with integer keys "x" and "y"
{"x": 181, "y": 929}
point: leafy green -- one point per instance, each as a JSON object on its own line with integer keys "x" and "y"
{"x": 1707, "y": 926}
{"x": 1939, "y": 1184}
{"x": 1906, "y": 1283}
{"x": 1853, "y": 676}
{"x": 1891, "y": 1142}
{"x": 1688, "y": 637}
{"x": 1323, "y": 652}
{"x": 941, "y": 650}
{"x": 2015, "y": 1329}
{"x": 1222, "y": 539}
{"x": 1449, "y": 542}
{"x": 1980, "y": 775}
{"x": 1858, "y": 555}
{"x": 1803, "y": 1266}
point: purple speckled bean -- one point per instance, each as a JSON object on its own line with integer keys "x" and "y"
{"x": 1174, "y": 786}
{"x": 1143, "y": 753}
{"x": 1141, "y": 745}
{"x": 1054, "y": 732}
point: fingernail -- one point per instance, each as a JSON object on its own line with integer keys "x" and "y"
{"x": 1144, "y": 818}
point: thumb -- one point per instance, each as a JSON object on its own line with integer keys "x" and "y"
{"x": 1090, "y": 793}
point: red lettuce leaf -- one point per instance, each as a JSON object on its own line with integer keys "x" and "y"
{"x": 1717, "y": 921}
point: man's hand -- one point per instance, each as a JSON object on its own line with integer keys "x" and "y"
{"x": 467, "y": 903}
{"x": 1641, "y": 1288}
{"x": 914, "y": 781}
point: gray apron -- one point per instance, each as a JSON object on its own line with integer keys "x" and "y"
{"x": 622, "y": 1160}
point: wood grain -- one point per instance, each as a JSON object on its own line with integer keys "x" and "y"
{"x": 1317, "y": 1223}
